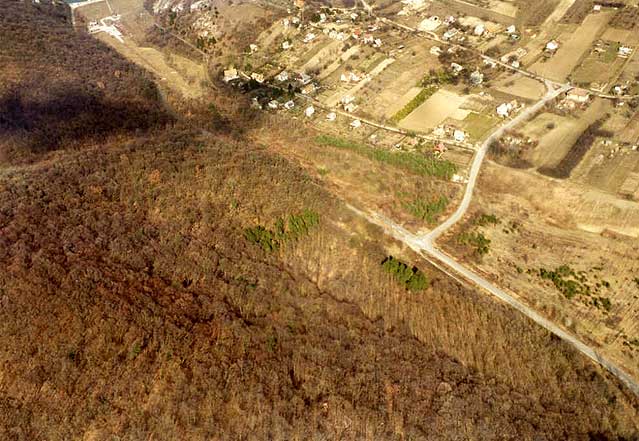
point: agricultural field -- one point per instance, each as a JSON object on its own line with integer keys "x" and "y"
{"x": 365, "y": 168}
{"x": 520, "y": 86}
{"x": 442, "y": 105}
{"x": 557, "y": 134}
{"x": 572, "y": 48}
{"x": 546, "y": 246}
{"x": 630, "y": 133}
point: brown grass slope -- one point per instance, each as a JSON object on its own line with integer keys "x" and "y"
{"x": 132, "y": 306}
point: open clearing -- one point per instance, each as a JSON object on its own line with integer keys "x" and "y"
{"x": 521, "y": 86}
{"x": 626, "y": 36}
{"x": 443, "y": 104}
{"x": 176, "y": 72}
{"x": 559, "y": 12}
{"x": 570, "y": 52}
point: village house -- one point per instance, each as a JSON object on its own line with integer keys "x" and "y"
{"x": 504, "y": 109}
{"x": 624, "y": 51}
{"x": 289, "y": 105}
{"x": 449, "y": 34}
{"x": 310, "y": 110}
{"x": 552, "y": 46}
{"x": 230, "y": 75}
{"x": 350, "y": 107}
{"x": 282, "y": 76}
{"x": 347, "y": 99}
{"x": 304, "y": 78}
{"x": 273, "y": 104}
{"x": 331, "y": 116}
{"x": 476, "y": 78}
{"x": 308, "y": 89}
{"x": 257, "y": 77}
{"x": 578, "y": 95}
{"x": 456, "y": 68}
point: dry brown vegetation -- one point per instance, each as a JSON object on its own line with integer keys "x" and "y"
{"x": 534, "y": 13}
{"x": 132, "y": 306}
{"x": 626, "y": 18}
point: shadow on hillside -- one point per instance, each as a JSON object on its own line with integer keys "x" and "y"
{"x": 42, "y": 124}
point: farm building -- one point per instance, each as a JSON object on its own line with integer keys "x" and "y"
{"x": 578, "y": 95}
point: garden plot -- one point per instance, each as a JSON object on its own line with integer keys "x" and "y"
{"x": 441, "y": 105}
{"x": 571, "y": 51}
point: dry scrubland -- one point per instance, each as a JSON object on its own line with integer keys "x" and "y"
{"x": 132, "y": 305}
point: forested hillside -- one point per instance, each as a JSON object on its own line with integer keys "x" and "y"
{"x": 159, "y": 281}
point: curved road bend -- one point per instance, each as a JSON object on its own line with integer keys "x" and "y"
{"x": 552, "y": 93}
{"x": 424, "y": 245}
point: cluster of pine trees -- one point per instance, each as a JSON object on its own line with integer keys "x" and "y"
{"x": 296, "y": 226}
{"x": 411, "y": 277}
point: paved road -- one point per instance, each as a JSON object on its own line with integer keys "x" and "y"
{"x": 424, "y": 245}
{"x": 552, "y": 93}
